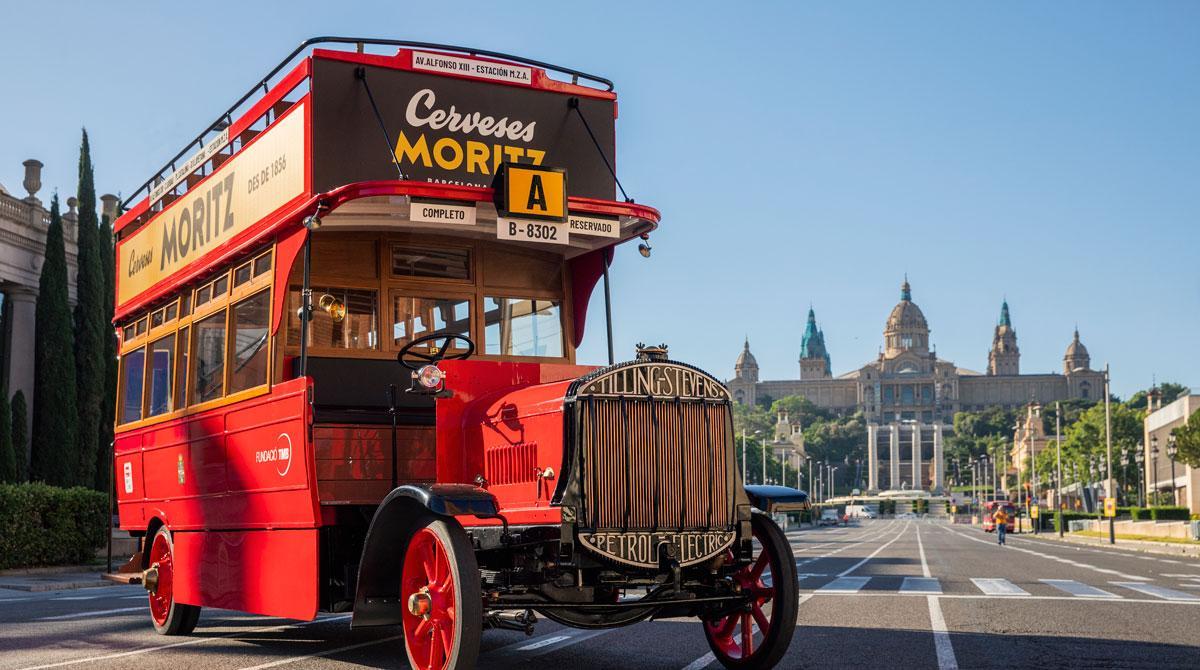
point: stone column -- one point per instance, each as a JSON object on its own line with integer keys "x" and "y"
{"x": 20, "y": 346}
{"x": 916, "y": 456}
{"x": 939, "y": 460}
{"x": 872, "y": 457}
{"x": 894, "y": 470}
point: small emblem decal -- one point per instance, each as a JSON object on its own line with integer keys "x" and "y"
{"x": 181, "y": 477}
{"x": 128, "y": 477}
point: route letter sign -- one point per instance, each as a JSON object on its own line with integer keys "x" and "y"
{"x": 526, "y": 192}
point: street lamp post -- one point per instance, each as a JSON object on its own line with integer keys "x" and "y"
{"x": 743, "y": 453}
{"x": 764, "y": 459}
{"x": 1058, "y": 447}
{"x": 1125, "y": 473}
{"x": 1108, "y": 480}
{"x": 832, "y": 483}
{"x": 1152, "y": 496}
{"x": 1140, "y": 457}
{"x": 1171, "y": 451}
{"x": 810, "y": 479}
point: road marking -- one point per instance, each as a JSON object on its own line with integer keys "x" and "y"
{"x": 545, "y": 642}
{"x": 1159, "y": 591}
{"x": 1058, "y": 559}
{"x": 185, "y": 643}
{"x": 1077, "y": 589}
{"x": 1180, "y": 575}
{"x": 937, "y": 621}
{"x": 81, "y": 615}
{"x": 845, "y": 585}
{"x": 708, "y": 659}
{"x": 327, "y": 652}
{"x": 921, "y": 585}
{"x": 873, "y": 553}
{"x": 998, "y": 587}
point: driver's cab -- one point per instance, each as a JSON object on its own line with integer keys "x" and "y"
{"x": 378, "y": 295}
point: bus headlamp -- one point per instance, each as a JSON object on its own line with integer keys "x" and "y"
{"x": 430, "y": 376}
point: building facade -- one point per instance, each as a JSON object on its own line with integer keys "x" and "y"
{"x": 907, "y": 395}
{"x": 1165, "y": 476}
{"x": 23, "y": 226}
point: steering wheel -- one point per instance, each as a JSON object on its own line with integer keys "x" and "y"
{"x": 413, "y": 359}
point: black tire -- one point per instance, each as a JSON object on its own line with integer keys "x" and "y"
{"x": 170, "y": 617}
{"x": 785, "y": 603}
{"x": 465, "y": 625}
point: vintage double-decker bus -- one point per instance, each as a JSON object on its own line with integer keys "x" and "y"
{"x": 348, "y": 317}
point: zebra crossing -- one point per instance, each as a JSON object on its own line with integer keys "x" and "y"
{"x": 993, "y": 587}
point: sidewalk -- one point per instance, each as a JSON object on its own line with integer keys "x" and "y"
{"x": 62, "y": 578}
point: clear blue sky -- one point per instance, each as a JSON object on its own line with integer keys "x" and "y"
{"x": 800, "y": 153}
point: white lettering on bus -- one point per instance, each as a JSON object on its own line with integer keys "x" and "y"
{"x": 466, "y": 124}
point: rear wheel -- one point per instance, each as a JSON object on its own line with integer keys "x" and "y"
{"x": 168, "y": 616}
{"x": 441, "y": 598}
{"x": 758, "y": 635}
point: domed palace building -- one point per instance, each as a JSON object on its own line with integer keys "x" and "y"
{"x": 908, "y": 395}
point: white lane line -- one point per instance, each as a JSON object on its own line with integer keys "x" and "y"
{"x": 859, "y": 564}
{"x": 937, "y": 621}
{"x": 980, "y": 596}
{"x": 845, "y": 585}
{"x": 576, "y": 638}
{"x": 544, "y": 642}
{"x": 82, "y": 615}
{"x": 320, "y": 654}
{"x": 185, "y": 643}
{"x": 1057, "y": 559}
{"x": 1180, "y": 575}
{"x": 920, "y": 585}
{"x": 998, "y": 587}
{"x": 1077, "y": 589}
{"x": 1159, "y": 591}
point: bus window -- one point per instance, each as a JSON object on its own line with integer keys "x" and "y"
{"x": 417, "y": 317}
{"x": 409, "y": 261}
{"x": 133, "y": 367}
{"x": 357, "y": 328}
{"x": 208, "y": 343}
{"x": 251, "y": 321}
{"x": 181, "y": 366}
{"x": 162, "y": 359}
{"x": 522, "y": 327}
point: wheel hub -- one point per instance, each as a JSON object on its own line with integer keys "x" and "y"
{"x": 150, "y": 579}
{"x": 421, "y": 603}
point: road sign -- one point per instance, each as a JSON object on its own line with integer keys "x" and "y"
{"x": 1035, "y": 511}
{"x": 1110, "y": 507}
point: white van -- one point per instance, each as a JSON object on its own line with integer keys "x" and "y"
{"x": 862, "y": 511}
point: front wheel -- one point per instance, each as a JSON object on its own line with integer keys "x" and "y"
{"x": 441, "y": 597}
{"x": 758, "y": 635}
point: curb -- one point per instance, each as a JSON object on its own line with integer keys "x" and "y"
{"x": 50, "y": 570}
{"x": 39, "y": 587}
{"x": 1164, "y": 548}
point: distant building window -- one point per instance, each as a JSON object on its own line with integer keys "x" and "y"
{"x": 889, "y": 395}
{"x": 926, "y": 394}
{"x": 908, "y": 396}
{"x": 1084, "y": 390}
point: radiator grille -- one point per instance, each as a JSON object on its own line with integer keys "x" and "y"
{"x": 654, "y": 464}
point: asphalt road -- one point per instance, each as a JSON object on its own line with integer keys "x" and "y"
{"x": 885, "y": 594}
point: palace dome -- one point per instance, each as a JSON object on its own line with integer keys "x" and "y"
{"x": 906, "y": 328}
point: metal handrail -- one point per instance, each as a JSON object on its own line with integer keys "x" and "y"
{"x": 226, "y": 117}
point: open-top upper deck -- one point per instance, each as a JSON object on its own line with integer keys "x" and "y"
{"x": 409, "y": 141}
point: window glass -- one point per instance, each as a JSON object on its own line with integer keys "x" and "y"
{"x": 522, "y": 327}
{"x": 162, "y": 359}
{"x": 185, "y": 305}
{"x": 208, "y": 345}
{"x": 409, "y": 261}
{"x": 129, "y": 333}
{"x": 889, "y": 395}
{"x": 133, "y": 367}
{"x": 241, "y": 275}
{"x": 141, "y": 326}
{"x": 416, "y": 317}
{"x": 262, "y": 264}
{"x": 156, "y": 318}
{"x": 251, "y": 319}
{"x": 202, "y": 294}
{"x": 357, "y": 328}
{"x": 181, "y": 367}
{"x": 172, "y": 311}
{"x": 907, "y": 394}
{"x": 221, "y": 286}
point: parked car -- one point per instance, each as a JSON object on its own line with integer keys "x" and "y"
{"x": 829, "y": 517}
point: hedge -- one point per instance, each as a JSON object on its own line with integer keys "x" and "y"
{"x": 1161, "y": 513}
{"x": 47, "y": 525}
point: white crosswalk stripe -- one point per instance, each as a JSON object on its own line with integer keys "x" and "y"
{"x": 845, "y": 585}
{"x": 1077, "y": 589}
{"x": 1158, "y": 591}
{"x": 920, "y": 585}
{"x": 998, "y": 587}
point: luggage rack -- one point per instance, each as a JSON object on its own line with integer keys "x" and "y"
{"x": 226, "y": 118}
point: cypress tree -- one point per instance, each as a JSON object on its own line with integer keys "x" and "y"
{"x": 109, "y": 401}
{"x": 54, "y": 457}
{"x": 20, "y": 434}
{"x": 89, "y": 324}
{"x": 8, "y": 459}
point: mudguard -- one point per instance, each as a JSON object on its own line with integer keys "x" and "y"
{"x": 772, "y": 499}
{"x": 377, "y": 596}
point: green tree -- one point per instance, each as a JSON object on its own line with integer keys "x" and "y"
{"x": 1187, "y": 440}
{"x": 54, "y": 454}
{"x": 109, "y": 400}
{"x": 8, "y": 458}
{"x": 89, "y": 323}
{"x": 1170, "y": 392}
{"x": 20, "y": 434}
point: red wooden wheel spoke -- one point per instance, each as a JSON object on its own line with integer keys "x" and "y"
{"x": 422, "y": 627}
{"x": 760, "y": 619}
{"x": 764, "y": 560}
{"x": 727, "y": 626}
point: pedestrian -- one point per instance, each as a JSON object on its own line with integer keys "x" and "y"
{"x": 1001, "y": 520}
